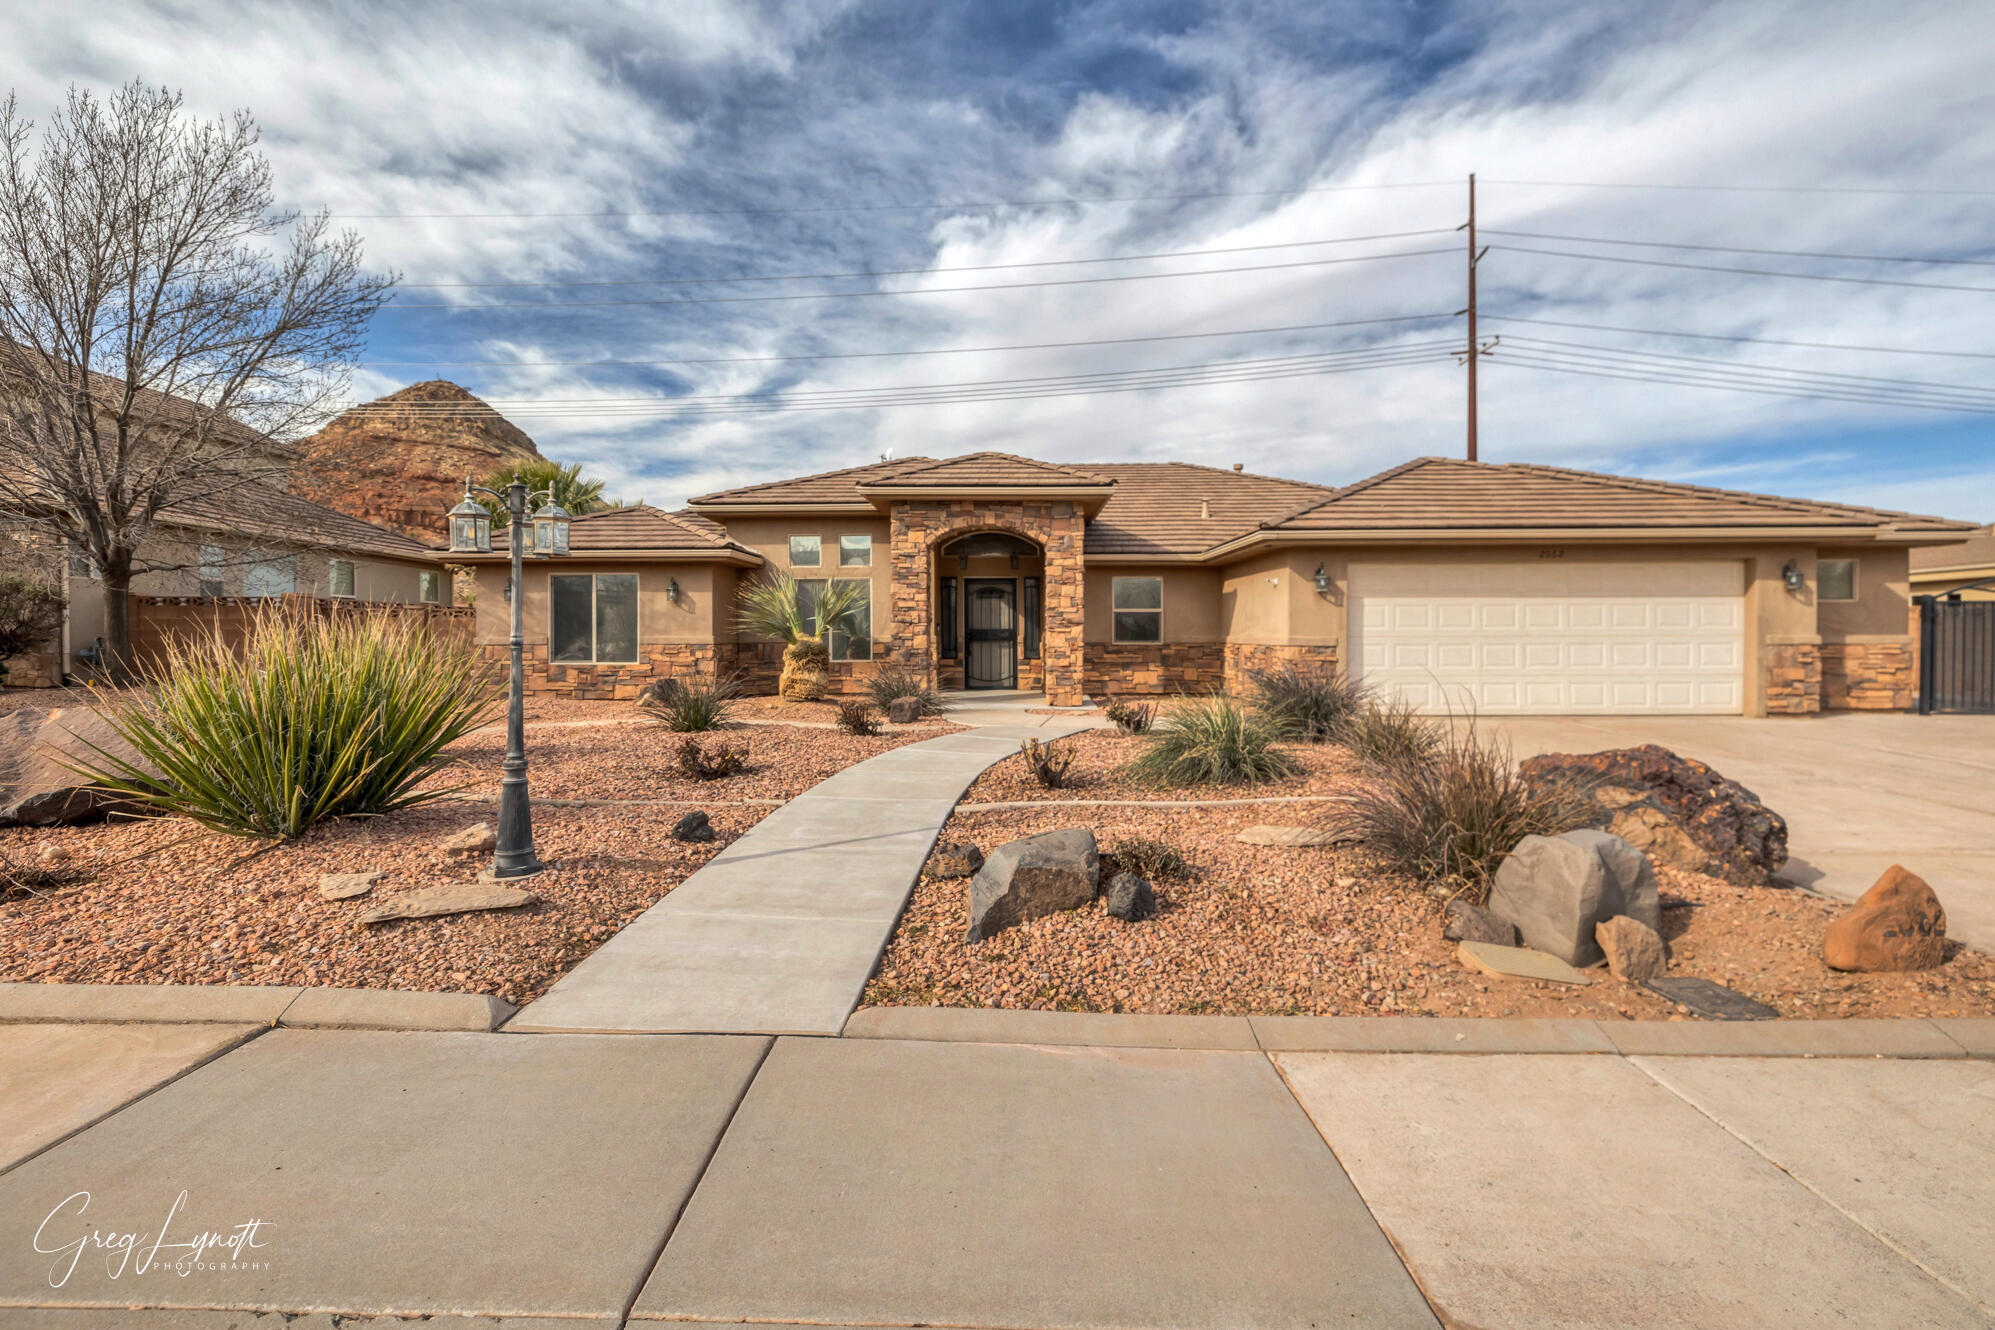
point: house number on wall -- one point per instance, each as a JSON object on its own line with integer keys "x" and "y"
{"x": 1551, "y": 554}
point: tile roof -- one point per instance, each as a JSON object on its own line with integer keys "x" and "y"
{"x": 1977, "y": 551}
{"x": 1435, "y": 493}
{"x": 824, "y": 487}
{"x": 993, "y": 469}
{"x": 1175, "y": 508}
{"x": 264, "y": 511}
{"x": 638, "y": 526}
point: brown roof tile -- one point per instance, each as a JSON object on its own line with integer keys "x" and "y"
{"x": 824, "y": 487}
{"x": 1977, "y": 551}
{"x": 638, "y": 526}
{"x": 265, "y": 512}
{"x": 1175, "y": 508}
{"x": 992, "y": 469}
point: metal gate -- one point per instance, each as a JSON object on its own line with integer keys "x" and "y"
{"x": 1956, "y": 655}
{"x": 990, "y": 623}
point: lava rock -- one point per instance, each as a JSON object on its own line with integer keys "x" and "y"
{"x": 904, "y": 710}
{"x": 478, "y": 838}
{"x": 952, "y": 859}
{"x": 1472, "y": 923}
{"x": 693, "y": 827}
{"x": 1898, "y": 924}
{"x": 1740, "y": 839}
{"x": 1556, "y": 888}
{"x": 1030, "y": 878}
{"x": 1634, "y": 950}
{"x": 1130, "y": 897}
{"x": 36, "y": 789}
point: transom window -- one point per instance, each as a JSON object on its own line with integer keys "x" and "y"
{"x": 806, "y": 551}
{"x": 855, "y": 551}
{"x": 1139, "y": 609}
{"x": 1836, "y": 579}
{"x": 851, "y": 636}
{"x": 339, "y": 577}
{"x": 592, "y": 618}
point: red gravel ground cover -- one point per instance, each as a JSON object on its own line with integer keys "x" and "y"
{"x": 1328, "y": 932}
{"x": 1100, "y": 754}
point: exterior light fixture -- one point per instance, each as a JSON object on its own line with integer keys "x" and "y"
{"x": 550, "y": 529}
{"x": 1791, "y": 576}
{"x": 1322, "y": 581}
{"x": 672, "y": 591}
{"x": 470, "y": 526}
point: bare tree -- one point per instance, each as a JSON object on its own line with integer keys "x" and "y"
{"x": 160, "y": 336}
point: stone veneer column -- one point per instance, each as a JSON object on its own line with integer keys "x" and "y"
{"x": 922, "y": 525}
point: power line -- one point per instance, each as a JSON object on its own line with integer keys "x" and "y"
{"x": 1729, "y": 337}
{"x": 924, "y": 291}
{"x": 1740, "y": 249}
{"x": 967, "y": 206}
{"x": 916, "y": 272}
{"x": 919, "y": 351}
{"x": 1751, "y": 272}
{"x": 1611, "y": 368}
{"x": 1754, "y": 365}
{"x": 1750, "y": 189}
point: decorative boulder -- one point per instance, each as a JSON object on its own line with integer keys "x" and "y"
{"x": 36, "y": 789}
{"x": 951, "y": 859}
{"x": 478, "y": 838}
{"x": 1634, "y": 950}
{"x": 1472, "y": 923}
{"x": 1741, "y": 839}
{"x": 904, "y": 710}
{"x": 1028, "y": 879}
{"x": 1130, "y": 897}
{"x": 693, "y": 828}
{"x": 1898, "y": 924}
{"x": 1556, "y": 888}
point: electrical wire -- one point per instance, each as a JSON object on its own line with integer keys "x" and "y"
{"x": 1740, "y": 249}
{"x": 1750, "y": 272}
{"x": 922, "y": 272}
{"x": 1744, "y": 189}
{"x": 1597, "y": 367}
{"x": 1754, "y": 365}
{"x": 1732, "y": 337}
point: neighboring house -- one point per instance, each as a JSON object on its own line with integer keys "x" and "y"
{"x": 1513, "y": 589}
{"x": 1940, "y": 569}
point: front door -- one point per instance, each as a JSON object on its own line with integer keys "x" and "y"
{"x": 990, "y": 623}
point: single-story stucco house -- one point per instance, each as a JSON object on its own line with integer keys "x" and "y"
{"x": 1510, "y": 588}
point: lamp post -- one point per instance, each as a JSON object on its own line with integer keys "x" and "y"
{"x": 471, "y": 533}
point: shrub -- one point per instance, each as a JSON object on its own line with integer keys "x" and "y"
{"x": 1131, "y": 717}
{"x": 1048, "y": 762}
{"x": 1210, "y": 741}
{"x": 1450, "y": 816}
{"x": 716, "y": 763}
{"x": 858, "y": 717}
{"x": 685, "y": 706}
{"x": 779, "y": 607}
{"x": 892, "y": 683}
{"x": 1150, "y": 858}
{"x": 30, "y": 615}
{"x": 310, "y": 719}
{"x": 1305, "y": 704}
{"x": 1390, "y": 732}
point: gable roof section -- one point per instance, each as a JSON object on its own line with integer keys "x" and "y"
{"x": 638, "y": 530}
{"x": 1442, "y": 495}
{"x": 1176, "y": 509}
{"x": 836, "y": 488}
{"x": 983, "y": 470}
{"x": 267, "y": 512}
{"x": 1976, "y": 552}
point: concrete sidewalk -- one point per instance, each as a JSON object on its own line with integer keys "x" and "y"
{"x": 779, "y": 933}
{"x": 1003, "y": 1173}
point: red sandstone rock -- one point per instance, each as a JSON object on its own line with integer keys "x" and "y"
{"x": 1898, "y": 924}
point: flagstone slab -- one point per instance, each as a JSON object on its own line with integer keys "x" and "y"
{"x": 1709, "y": 999}
{"x": 893, "y": 1182}
{"x": 1287, "y": 837}
{"x": 1905, "y": 1148}
{"x": 1501, "y": 962}
{"x": 1544, "y": 1190}
{"x": 393, "y": 1173}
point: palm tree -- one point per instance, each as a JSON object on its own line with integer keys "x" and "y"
{"x": 571, "y": 490}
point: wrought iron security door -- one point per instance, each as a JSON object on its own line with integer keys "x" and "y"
{"x": 990, "y": 622}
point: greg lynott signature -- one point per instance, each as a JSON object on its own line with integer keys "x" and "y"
{"x": 225, "y": 1249}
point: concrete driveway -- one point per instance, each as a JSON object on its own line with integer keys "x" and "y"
{"x": 1860, "y": 792}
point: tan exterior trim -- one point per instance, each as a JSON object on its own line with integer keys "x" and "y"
{"x": 777, "y": 508}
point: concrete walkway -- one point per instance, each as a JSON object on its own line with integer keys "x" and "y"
{"x": 779, "y": 933}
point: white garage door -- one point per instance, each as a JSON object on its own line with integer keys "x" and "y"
{"x": 1553, "y": 637}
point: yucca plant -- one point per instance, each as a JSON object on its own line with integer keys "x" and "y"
{"x": 777, "y": 607}
{"x": 1308, "y": 705}
{"x": 310, "y": 719}
{"x": 1210, "y": 740}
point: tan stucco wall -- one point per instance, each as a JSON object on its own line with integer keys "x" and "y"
{"x": 1883, "y": 603}
{"x": 703, "y": 612}
{"x": 1272, "y": 599}
{"x": 1191, "y": 602}
{"x": 770, "y": 538}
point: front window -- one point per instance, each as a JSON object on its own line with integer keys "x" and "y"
{"x": 429, "y": 582}
{"x": 1837, "y": 579}
{"x": 851, "y": 638}
{"x": 805, "y": 551}
{"x": 1139, "y": 609}
{"x": 592, "y": 618}
{"x": 340, "y": 577}
{"x": 855, "y": 551}
{"x": 945, "y": 619}
{"x": 1032, "y": 617}
{"x": 213, "y": 559}
{"x": 270, "y": 575}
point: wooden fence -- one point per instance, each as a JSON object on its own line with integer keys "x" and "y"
{"x": 156, "y": 620}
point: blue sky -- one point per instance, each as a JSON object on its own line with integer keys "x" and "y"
{"x": 815, "y": 138}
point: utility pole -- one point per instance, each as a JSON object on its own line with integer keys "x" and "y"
{"x": 1473, "y": 349}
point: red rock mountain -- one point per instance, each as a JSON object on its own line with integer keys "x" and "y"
{"x": 400, "y": 461}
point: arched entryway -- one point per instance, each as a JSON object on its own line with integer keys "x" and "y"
{"x": 990, "y": 611}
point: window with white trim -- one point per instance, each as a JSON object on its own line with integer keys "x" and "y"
{"x": 339, "y": 578}
{"x": 806, "y": 551}
{"x": 1139, "y": 609}
{"x": 208, "y": 575}
{"x": 855, "y": 551}
{"x": 592, "y": 618}
{"x": 1836, "y": 579}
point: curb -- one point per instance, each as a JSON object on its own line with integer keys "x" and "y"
{"x": 180, "y": 1004}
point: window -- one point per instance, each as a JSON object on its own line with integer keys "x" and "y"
{"x": 805, "y": 552}
{"x": 209, "y": 574}
{"x": 1836, "y": 578}
{"x": 851, "y": 636}
{"x": 270, "y": 575}
{"x": 592, "y": 618}
{"x": 1139, "y": 609}
{"x": 428, "y": 583}
{"x": 1032, "y": 617}
{"x": 945, "y": 618}
{"x": 855, "y": 551}
{"x": 339, "y": 577}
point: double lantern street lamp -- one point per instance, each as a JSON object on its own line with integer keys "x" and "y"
{"x": 471, "y": 533}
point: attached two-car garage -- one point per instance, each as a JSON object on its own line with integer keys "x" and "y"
{"x": 1553, "y": 635}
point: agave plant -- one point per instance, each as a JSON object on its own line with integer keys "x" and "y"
{"x": 779, "y": 607}
{"x": 310, "y": 719}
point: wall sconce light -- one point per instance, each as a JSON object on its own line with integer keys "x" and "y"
{"x": 1792, "y": 577}
{"x": 1322, "y": 581}
{"x": 672, "y": 591}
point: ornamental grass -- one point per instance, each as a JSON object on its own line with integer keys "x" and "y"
{"x": 1211, "y": 740}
